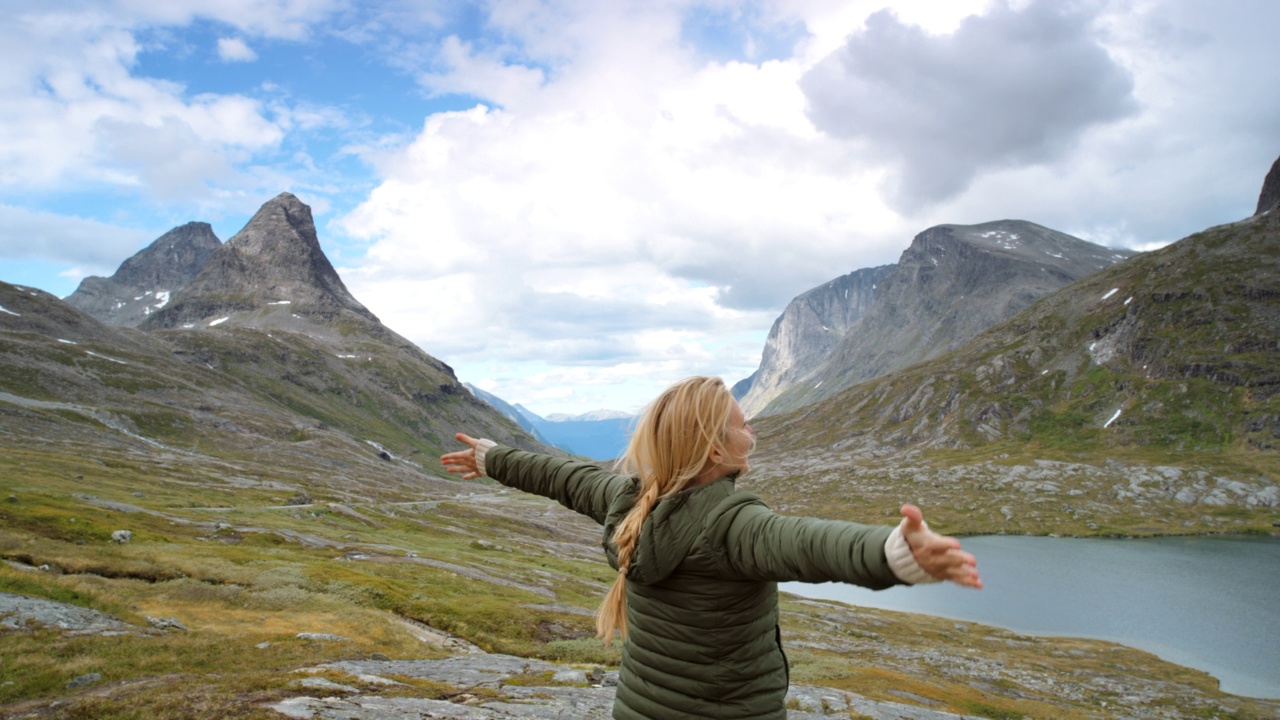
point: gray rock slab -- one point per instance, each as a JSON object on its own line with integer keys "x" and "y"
{"x": 18, "y": 612}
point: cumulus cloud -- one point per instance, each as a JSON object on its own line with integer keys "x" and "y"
{"x": 75, "y": 112}
{"x": 289, "y": 19}
{"x": 95, "y": 248}
{"x": 567, "y": 230}
{"x": 1010, "y": 88}
{"x": 235, "y": 50}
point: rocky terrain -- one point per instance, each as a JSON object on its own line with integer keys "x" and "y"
{"x": 271, "y": 274}
{"x": 846, "y": 661}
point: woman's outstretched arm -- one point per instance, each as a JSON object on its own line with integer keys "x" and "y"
{"x": 758, "y": 544}
{"x": 582, "y": 487}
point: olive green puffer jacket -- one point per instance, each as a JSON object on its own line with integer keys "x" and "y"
{"x": 702, "y": 596}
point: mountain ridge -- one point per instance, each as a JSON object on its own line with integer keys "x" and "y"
{"x": 316, "y": 366}
{"x": 952, "y": 282}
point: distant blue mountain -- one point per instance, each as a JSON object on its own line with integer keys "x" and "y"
{"x": 598, "y": 435}
{"x": 514, "y": 414}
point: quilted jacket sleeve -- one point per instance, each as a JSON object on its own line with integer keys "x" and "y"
{"x": 754, "y": 543}
{"x": 581, "y": 487}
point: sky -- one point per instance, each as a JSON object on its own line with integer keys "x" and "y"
{"x": 575, "y": 203}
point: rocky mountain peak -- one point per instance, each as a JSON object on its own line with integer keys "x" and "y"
{"x": 282, "y": 229}
{"x": 1270, "y": 194}
{"x": 144, "y": 283}
{"x": 273, "y": 273}
{"x": 953, "y": 282}
{"x": 173, "y": 259}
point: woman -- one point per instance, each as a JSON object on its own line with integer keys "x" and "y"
{"x": 698, "y": 562}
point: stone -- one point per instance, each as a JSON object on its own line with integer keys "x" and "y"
{"x": 122, "y": 536}
{"x": 166, "y": 624}
{"x": 321, "y": 636}
{"x": 84, "y": 681}
{"x": 570, "y": 677}
{"x": 319, "y": 683}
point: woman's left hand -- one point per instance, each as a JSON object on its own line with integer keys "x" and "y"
{"x": 463, "y": 461}
{"x": 939, "y": 555}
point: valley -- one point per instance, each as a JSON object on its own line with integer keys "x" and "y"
{"x": 242, "y": 476}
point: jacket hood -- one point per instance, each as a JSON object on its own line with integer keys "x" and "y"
{"x": 670, "y": 530}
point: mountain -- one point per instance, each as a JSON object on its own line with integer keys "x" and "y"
{"x": 513, "y": 413}
{"x": 271, "y": 274}
{"x": 1146, "y": 395}
{"x": 809, "y": 329}
{"x": 145, "y": 282}
{"x": 952, "y": 282}
{"x": 264, "y": 358}
{"x": 1270, "y": 194}
{"x": 591, "y": 415}
{"x": 598, "y": 435}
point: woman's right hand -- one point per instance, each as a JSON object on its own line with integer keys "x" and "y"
{"x": 463, "y": 461}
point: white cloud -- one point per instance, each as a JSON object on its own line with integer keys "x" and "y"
{"x": 235, "y": 50}
{"x": 93, "y": 247}
{"x": 1010, "y": 88}
{"x": 288, "y": 19}
{"x": 73, "y": 112}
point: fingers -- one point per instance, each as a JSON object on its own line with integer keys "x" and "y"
{"x": 462, "y": 461}
{"x": 941, "y": 557}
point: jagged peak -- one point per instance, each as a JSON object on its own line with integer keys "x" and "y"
{"x": 273, "y": 269}
{"x": 188, "y": 245}
{"x": 1270, "y": 195}
{"x": 280, "y": 220}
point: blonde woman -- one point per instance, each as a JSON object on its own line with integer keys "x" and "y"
{"x": 696, "y": 598}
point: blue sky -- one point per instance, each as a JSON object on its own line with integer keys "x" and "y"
{"x": 574, "y": 203}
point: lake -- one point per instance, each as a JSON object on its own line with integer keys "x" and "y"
{"x": 1210, "y": 603}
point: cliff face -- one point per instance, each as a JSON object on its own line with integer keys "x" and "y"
{"x": 145, "y": 283}
{"x": 811, "y": 326}
{"x": 1270, "y": 194}
{"x": 953, "y": 282}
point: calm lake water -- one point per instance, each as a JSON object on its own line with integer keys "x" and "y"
{"x": 1210, "y": 603}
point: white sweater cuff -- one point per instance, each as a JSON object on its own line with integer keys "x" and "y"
{"x": 902, "y": 562}
{"x": 482, "y": 448}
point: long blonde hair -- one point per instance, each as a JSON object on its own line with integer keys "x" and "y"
{"x": 669, "y": 448}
